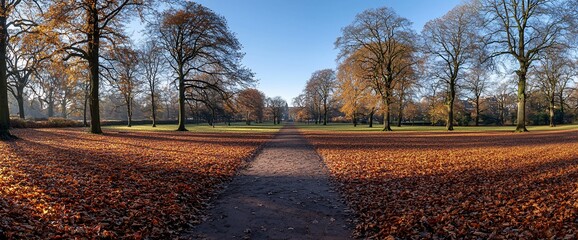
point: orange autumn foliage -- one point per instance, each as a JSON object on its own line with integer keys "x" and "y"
{"x": 66, "y": 184}
{"x": 457, "y": 185}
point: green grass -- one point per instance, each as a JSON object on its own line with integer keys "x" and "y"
{"x": 378, "y": 127}
{"x": 235, "y": 127}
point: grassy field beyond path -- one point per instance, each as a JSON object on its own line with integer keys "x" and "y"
{"x": 378, "y": 128}
{"x": 235, "y": 127}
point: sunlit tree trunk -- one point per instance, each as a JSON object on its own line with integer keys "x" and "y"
{"x": 153, "y": 109}
{"x": 551, "y": 112}
{"x": 182, "y": 114}
{"x": 477, "y": 119}
{"x": 561, "y": 99}
{"x": 386, "y": 114}
{"x": 371, "y": 117}
{"x": 129, "y": 112}
{"x": 400, "y": 113}
{"x": 451, "y": 100}
{"x": 4, "y": 109}
{"x": 93, "y": 37}
{"x": 521, "y": 118}
{"x": 20, "y": 100}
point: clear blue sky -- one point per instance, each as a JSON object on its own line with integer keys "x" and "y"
{"x": 287, "y": 40}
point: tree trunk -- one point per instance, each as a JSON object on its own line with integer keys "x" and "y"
{"x": 20, "y": 100}
{"x": 386, "y": 115}
{"x": 400, "y": 115}
{"x": 129, "y": 113}
{"x": 371, "y": 117}
{"x": 354, "y": 119}
{"x": 325, "y": 112}
{"x": 4, "y": 108}
{"x": 50, "y": 107}
{"x": 521, "y": 118}
{"x": 93, "y": 65}
{"x": 182, "y": 114}
{"x": 213, "y": 118}
{"x": 477, "y": 110}
{"x": 84, "y": 115}
{"x": 248, "y": 120}
{"x": 551, "y": 112}
{"x": 561, "y": 98}
{"x": 451, "y": 99}
{"x": 63, "y": 112}
{"x": 154, "y": 109}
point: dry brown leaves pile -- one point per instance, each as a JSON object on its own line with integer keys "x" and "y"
{"x": 69, "y": 184}
{"x": 457, "y": 185}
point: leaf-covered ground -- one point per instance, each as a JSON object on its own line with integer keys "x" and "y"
{"x": 457, "y": 185}
{"x": 67, "y": 184}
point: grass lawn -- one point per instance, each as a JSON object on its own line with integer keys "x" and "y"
{"x": 345, "y": 127}
{"x": 234, "y": 127}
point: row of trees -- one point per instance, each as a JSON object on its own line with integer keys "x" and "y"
{"x": 384, "y": 65}
{"x": 60, "y": 52}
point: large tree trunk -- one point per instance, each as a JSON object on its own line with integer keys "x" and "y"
{"x": 93, "y": 65}
{"x": 248, "y": 120}
{"x": 371, "y": 117}
{"x": 354, "y": 119}
{"x": 386, "y": 115}
{"x": 20, "y": 100}
{"x": 129, "y": 113}
{"x": 563, "y": 120}
{"x": 451, "y": 99}
{"x": 4, "y": 109}
{"x": 84, "y": 112}
{"x": 50, "y": 107}
{"x": 477, "y": 110}
{"x": 213, "y": 118}
{"x": 521, "y": 118}
{"x": 182, "y": 114}
{"x": 63, "y": 102}
{"x": 400, "y": 113}
{"x": 63, "y": 110}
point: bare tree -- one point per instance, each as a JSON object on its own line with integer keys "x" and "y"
{"x": 313, "y": 101}
{"x": 152, "y": 63}
{"x": 122, "y": 75}
{"x": 476, "y": 79}
{"x": 199, "y": 43}
{"x": 450, "y": 42}
{"x": 85, "y": 27}
{"x": 25, "y": 57}
{"x": 523, "y": 29}
{"x": 384, "y": 43}
{"x": 553, "y": 73}
{"x": 476, "y": 82}
{"x": 277, "y": 107}
{"x": 322, "y": 83}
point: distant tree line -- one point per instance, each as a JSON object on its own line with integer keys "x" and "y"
{"x": 73, "y": 59}
{"x": 485, "y": 62}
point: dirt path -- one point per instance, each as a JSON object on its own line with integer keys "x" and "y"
{"x": 283, "y": 194}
